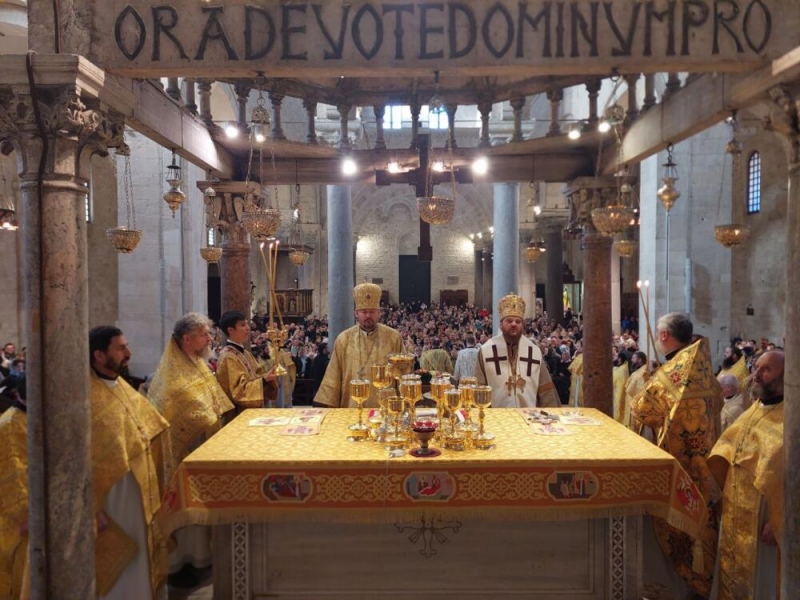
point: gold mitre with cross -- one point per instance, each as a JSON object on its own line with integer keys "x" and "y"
{"x": 511, "y": 306}
{"x": 367, "y": 296}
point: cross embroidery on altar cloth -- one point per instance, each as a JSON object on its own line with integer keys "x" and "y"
{"x": 496, "y": 358}
{"x": 530, "y": 360}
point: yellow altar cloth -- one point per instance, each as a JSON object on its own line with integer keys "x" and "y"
{"x": 253, "y": 474}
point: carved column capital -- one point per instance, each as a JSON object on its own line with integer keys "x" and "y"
{"x": 784, "y": 119}
{"x": 584, "y": 195}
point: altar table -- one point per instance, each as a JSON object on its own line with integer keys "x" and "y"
{"x": 537, "y": 516}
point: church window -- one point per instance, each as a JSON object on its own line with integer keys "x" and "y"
{"x": 393, "y": 117}
{"x": 437, "y": 118}
{"x": 754, "y": 183}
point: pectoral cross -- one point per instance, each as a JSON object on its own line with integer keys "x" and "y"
{"x": 496, "y": 358}
{"x": 530, "y": 360}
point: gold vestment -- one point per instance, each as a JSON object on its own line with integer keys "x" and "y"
{"x": 354, "y": 352}
{"x": 13, "y": 501}
{"x": 632, "y": 388}
{"x": 619, "y": 378}
{"x": 436, "y": 360}
{"x": 124, "y": 431}
{"x": 575, "y": 381}
{"x": 186, "y": 393}
{"x": 681, "y": 403}
{"x": 742, "y": 374}
{"x": 240, "y": 377}
{"x": 749, "y": 459}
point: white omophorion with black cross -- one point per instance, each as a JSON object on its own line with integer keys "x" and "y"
{"x": 512, "y": 372}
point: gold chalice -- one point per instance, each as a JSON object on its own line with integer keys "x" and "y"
{"x": 455, "y": 439}
{"x": 359, "y": 392}
{"x": 381, "y": 379}
{"x": 467, "y": 400}
{"x": 411, "y": 391}
{"x": 482, "y": 397}
{"x": 277, "y": 338}
{"x": 395, "y": 406}
{"x": 402, "y": 364}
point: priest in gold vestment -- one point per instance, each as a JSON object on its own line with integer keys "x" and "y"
{"x": 356, "y": 349}
{"x": 246, "y": 382}
{"x": 735, "y": 363}
{"x": 576, "y": 378}
{"x": 13, "y": 500}
{"x": 436, "y": 359}
{"x": 681, "y": 403}
{"x": 127, "y": 432}
{"x": 188, "y": 396}
{"x": 640, "y": 374}
{"x": 619, "y": 378}
{"x": 747, "y": 463}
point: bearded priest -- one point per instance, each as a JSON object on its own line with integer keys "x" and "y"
{"x": 512, "y": 365}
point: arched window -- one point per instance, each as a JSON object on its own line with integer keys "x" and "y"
{"x": 754, "y": 183}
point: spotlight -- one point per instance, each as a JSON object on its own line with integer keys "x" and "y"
{"x": 537, "y": 210}
{"x": 349, "y": 166}
{"x": 480, "y": 166}
{"x": 491, "y": 229}
{"x": 393, "y": 167}
{"x": 259, "y": 134}
{"x": 438, "y": 166}
{"x": 574, "y": 133}
{"x": 232, "y": 130}
{"x": 604, "y": 126}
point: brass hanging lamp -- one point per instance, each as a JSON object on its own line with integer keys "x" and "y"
{"x": 174, "y": 196}
{"x": 733, "y": 234}
{"x": 668, "y": 194}
{"x": 126, "y": 238}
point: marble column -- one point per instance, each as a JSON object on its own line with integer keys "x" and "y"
{"x": 204, "y": 93}
{"x": 61, "y": 515}
{"x": 554, "y": 288}
{"x": 276, "y": 98}
{"x": 517, "y": 105}
{"x": 380, "y": 110}
{"x": 311, "y": 111}
{"x": 173, "y": 89}
{"x": 505, "y": 274}
{"x": 340, "y": 261}
{"x": 584, "y": 195}
{"x": 784, "y": 119}
{"x": 616, "y": 292}
{"x": 555, "y": 97}
{"x": 189, "y": 89}
{"x": 593, "y": 91}
{"x": 234, "y": 268}
{"x": 485, "y": 109}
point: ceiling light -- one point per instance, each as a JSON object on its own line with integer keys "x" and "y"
{"x": 438, "y": 166}
{"x": 349, "y": 166}
{"x": 491, "y": 229}
{"x": 259, "y": 133}
{"x": 537, "y": 210}
{"x": 480, "y": 166}
{"x": 232, "y": 130}
{"x": 604, "y": 126}
{"x": 574, "y": 133}
{"x": 393, "y": 167}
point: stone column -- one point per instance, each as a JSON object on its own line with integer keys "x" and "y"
{"x": 380, "y": 110}
{"x": 242, "y": 94}
{"x": 415, "y": 108}
{"x": 222, "y": 212}
{"x": 633, "y": 103}
{"x": 673, "y": 85}
{"x": 616, "y": 292}
{"x": 61, "y": 515}
{"x": 517, "y": 104}
{"x": 554, "y": 288}
{"x": 555, "y": 97}
{"x": 485, "y": 108}
{"x": 277, "y": 129}
{"x": 311, "y": 110}
{"x": 649, "y": 92}
{"x": 344, "y": 116}
{"x": 451, "y": 123}
{"x": 340, "y": 261}
{"x": 505, "y": 274}
{"x": 173, "y": 89}
{"x": 204, "y": 91}
{"x": 189, "y": 95}
{"x": 584, "y": 195}
{"x": 784, "y": 120}
{"x": 593, "y": 89}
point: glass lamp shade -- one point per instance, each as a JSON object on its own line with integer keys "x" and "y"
{"x": 625, "y": 248}
{"x": 668, "y": 194}
{"x": 262, "y": 223}
{"x": 613, "y": 219}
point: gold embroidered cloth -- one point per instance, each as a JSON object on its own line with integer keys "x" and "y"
{"x": 188, "y": 396}
{"x": 126, "y": 436}
{"x": 13, "y": 501}
{"x": 681, "y": 403}
{"x": 751, "y": 451}
{"x": 620, "y": 379}
{"x": 575, "y": 383}
{"x": 253, "y": 474}
{"x": 239, "y": 375}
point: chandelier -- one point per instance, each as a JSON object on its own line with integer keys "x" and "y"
{"x": 211, "y": 254}
{"x": 668, "y": 194}
{"x": 436, "y": 210}
{"x": 534, "y": 251}
{"x": 174, "y": 196}
{"x": 733, "y": 234}
{"x": 125, "y": 238}
{"x": 625, "y": 248}
{"x": 260, "y": 220}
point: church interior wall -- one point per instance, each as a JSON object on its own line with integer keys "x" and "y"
{"x": 12, "y": 321}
